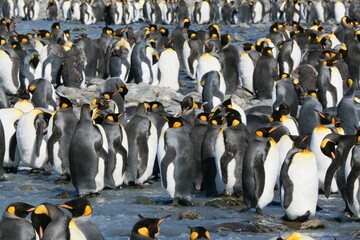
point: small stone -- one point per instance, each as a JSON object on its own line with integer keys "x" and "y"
{"x": 242, "y": 227}
{"x": 145, "y": 201}
{"x": 63, "y": 195}
{"x": 190, "y": 215}
{"x": 225, "y": 202}
{"x": 310, "y": 224}
{"x": 25, "y": 188}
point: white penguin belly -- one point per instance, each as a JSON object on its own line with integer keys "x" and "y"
{"x": 291, "y": 126}
{"x": 295, "y": 56}
{"x": 323, "y": 162}
{"x": 26, "y": 139}
{"x": 76, "y": 12}
{"x": 6, "y": 73}
{"x": 339, "y": 11}
{"x": 118, "y": 13}
{"x": 271, "y": 166}
{"x": 169, "y": 66}
{"x": 186, "y": 53}
{"x": 219, "y": 152}
{"x": 206, "y": 64}
{"x": 258, "y": 9}
{"x": 118, "y": 175}
{"x": 337, "y": 82}
{"x": 247, "y": 71}
{"x": 170, "y": 172}
{"x": 284, "y": 145}
{"x": 205, "y": 13}
{"x": 303, "y": 174}
{"x": 65, "y": 9}
{"x": 56, "y": 158}
{"x": 99, "y": 178}
{"x": 8, "y": 117}
{"x": 145, "y": 73}
{"x": 152, "y": 146}
{"x": 319, "y": 11}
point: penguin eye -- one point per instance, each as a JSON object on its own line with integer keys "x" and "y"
{"x": 194, "y": 235}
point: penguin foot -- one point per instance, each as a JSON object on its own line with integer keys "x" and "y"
{"x": 61, "y": 181}
{"x": 245, "y": 209}
{"x": 302, "y": 218}
{"x": 318, "y": 208}
{"x": 260, "y": 211}
{"x": 10, "y": 169}
{"x": 34, "y": 171}
{"x": 91, "y": 195}
{"x": 182, "y": 202}
{"x": 275, "y": 203}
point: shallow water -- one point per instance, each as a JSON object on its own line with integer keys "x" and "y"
{"x": 115, "y": 212}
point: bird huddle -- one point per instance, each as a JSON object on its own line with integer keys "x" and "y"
{"x": 48, "y": 221}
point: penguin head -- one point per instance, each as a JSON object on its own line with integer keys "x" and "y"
{"x": 101, "y": 103}
{"x": 300, "y": 142}
{"x": 328, "y": 146}
{"x": 274, "y": 28}
{"x": 35, "y": 58}
{"x": 267, "y": 51}
{"x": 25, "y": 95}
{"x": 123, "y": 90}
{"x": 265, "y": 131}
{"x": 169, "y": 44}
{"x": 107, "y": 31}
{"x": 174, "y": 122}
{"x": 225, "y": 39}
{"x": 284, "y": 109}
{"x": 199, "y": 233}
{"x": 214, "y": 30}
{"x": 156, "y": 106}
{"x": 64, "y": 102}
{"x": 347, "y": 22}
{"x": 42, "y": 34}
{"x": 329, "y": 54}
{"x": 113, "y": 117}
{"x": 312, "y": 93}
{"x": 120, "y": 32}
{"x": 20, "y": 209}
{"x": 325, "y": 118}
{"x": 148, "y": 227}
{"x": 233, "y": 118}
{"x": 357, "y": 34}
{"x": 78, "y": 207}
{"x": 16, "y": 46}
{"x": 164, "y": 32}
{"x": 22, "y": 38}
{"x": 217, "y": 120}
{"x": 248, "y": 46}
{"x": 108, "y": 95}
{"x": 67, "y": 34}
{"x": 32, "y": 87}
{"x": 55, "y": 26}
{"x": 153, "y": 27}
{"x": 3, "y": 41}
{"x": 186, "y": 22}
{"x": 187, "y": 104}
{"x": 343, "y": 51}
{"x": 142, "y": 108}
{"x": 191, "y": 34}
{"x": 203, "y": 116}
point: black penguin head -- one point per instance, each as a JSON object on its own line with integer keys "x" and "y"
{"x": 316, "y": 22}
{"x": 32, "y": 87}
{"x": 265, "y": 131}
{"x": 285, "y": 75}
{"x": 267, "y": 51}
{"x": 174, "y": 122}
{"x": 123, "y": 90}
{"x": 343, "y": 50}
{"x": 227, "y": 103}
{"x": 16, "y": 46}
{"x": 325, "y": 118}
{"x": 187, "y": 104}
{"x": 156, "y": 106}
{"x": 108, "y": 95}
{"x": 274, "y": 28}
{"x": 3, "y": 41}
{"x": 20, "y": 209}
{"x": 55, "y": 26}
{"x": 233, "y": 119}
{"x": 64, "y": 102}
{"x": 217, "y": 120}
{"x": 284, "y": 109}
{"x": 142, "y": 108}
{"x": 153, "y": 27}
{"x": 169, "y": 44}
{"x": 107, "y": 31}
{"x": 187, "y": 23}
{"x": 22, "y": 38}
{"x": 214, "y": 31}
{"x": 312, "y": 93}
{"x": 199, "y": 233}
{"x": 164, "y": 32}
{"x": 35, "y": 59}
{"x": 248, "y": 46}
{"x": 328, "y": 146}
{"x": 43, "y": 33}
{"x": 191, "y": 34}
{"x": 346, "y": 21}
{"x": 78, "y": 207}
{"x": 101, "y": 103}
{"x": 148, "y": 227}
{"x": 357, "y": 33}
{"x": 67, "y": 33}
{"x": 203, "y": 116}
{"x": 300, "y": 142}
{"x": 24, "y": 95}
{"x": 120, "y": 32}
{"x": 225, "y": 39}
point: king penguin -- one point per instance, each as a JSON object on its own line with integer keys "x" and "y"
{"x": 146, "y": 228}
{"x": 89, "y": 142}
{"x": 299, "y": 182}
{"x": 142, "y": 139}
{"x": 199, "y": 232}
{"x": 62, "y": 126}
{"x": 230, "y": 147}
{"x": 260, "y": 170}
{"x": 175, "y": 161}
{"x": 14, "y": 217}
{"x": 42, "y": 94}
{"x": 81, "y": 211}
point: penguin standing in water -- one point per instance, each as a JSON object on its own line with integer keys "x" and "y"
{"x": 146, "y": 228}
{"x": 265, "y": 73}
{"x": 31, "y": 144}
{"x": 299, "y": 182}
{"x": 142, "y": 139}
{"x": 88, "y": 142}
{"x": 81, "y": 211}
{"x": 117, "y": 153}
{"x": 175, "y": 162}
{"x": 260, "y": 170}
{"x": 230, "y": 147}
{"x": 62, "y": 125}
{"x": 14, "y": 217}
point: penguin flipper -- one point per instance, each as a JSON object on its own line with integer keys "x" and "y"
{"x": 170, "y": 155}
{"x": 259, "y": 175}
{"x": 141, "y": 141}
{"x": 353, "y": 176}
{"x": 330, "y": 172}
{"x": 286, "y": 181}
{"x": 39, "y": 136}
{"x": 55, "y": 137}
{"x": 122, "y": 151}
{"x": 13, "y": 145}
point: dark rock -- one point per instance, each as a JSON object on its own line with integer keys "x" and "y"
{"x": 242, "y": 227}
{"x": 190, "y": 215}
{"x": 25, "y": 188}
{"x": 145, "y": 201}
{"x": 225, "y": 202}
{"x": 310, "y": 224}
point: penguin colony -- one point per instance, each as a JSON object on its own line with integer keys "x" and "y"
{"x": 305, "y": 142}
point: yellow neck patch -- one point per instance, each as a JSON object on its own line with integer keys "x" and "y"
{"x": 41, "y": 209}
{"x": 11, "y": 210}
{"x": 207, "y": 234}
{"x": 235, "y": 123}
{"x": 176, "y": 125}
{"x": 194, "y": 235}
{"x": 260, "y": 133}
{"x": 88, "y": 210}
{"x": 204, "y": 118}
{"x": 144, "y": 231}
